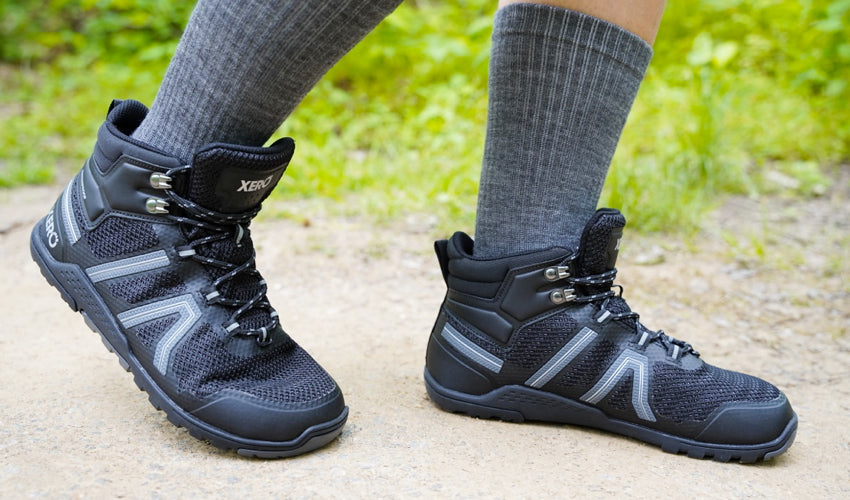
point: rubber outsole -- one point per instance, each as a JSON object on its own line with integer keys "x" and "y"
{"x": 63, "y": 276}
{"x": 516, "y": 403}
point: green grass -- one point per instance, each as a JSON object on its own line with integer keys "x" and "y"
{"x": 741, "y": 97}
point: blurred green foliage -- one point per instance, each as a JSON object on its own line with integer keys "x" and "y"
{"x": 109, "y": 29}
{"x": 741, "y": 96}
{"x": 746, "y": 97}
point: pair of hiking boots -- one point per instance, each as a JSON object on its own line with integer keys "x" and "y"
{"x": 157, "y": 257}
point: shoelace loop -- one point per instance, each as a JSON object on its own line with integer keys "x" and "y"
{"x": 221, "y": 226}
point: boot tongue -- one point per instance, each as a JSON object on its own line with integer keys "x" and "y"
{"x": 234, "y": 179}
{"x": 597, "y": 253}
{"x": 600, "y": 242}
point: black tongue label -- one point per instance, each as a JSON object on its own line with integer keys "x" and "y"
{"x": 613, "y": 247}
{"x": 239, "y": 189}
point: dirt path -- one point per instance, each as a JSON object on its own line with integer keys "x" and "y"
{"x": 362, "y": 300}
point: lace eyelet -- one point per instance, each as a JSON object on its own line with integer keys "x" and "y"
{"x": 556, "y": 273}
{"x": 562, "y": 296}
{"x": 160, "y": 181}
{"x": 156, "y": 206}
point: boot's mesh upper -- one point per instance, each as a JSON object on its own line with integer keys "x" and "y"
{"x": 148, "y": 286}
{"x": 536, "y": 342}
{"x": 280, "y": 373}
{"x": 691, "y": 395}
{"x": 477, "y": 338}
{"x": 590, "y": 365}
{"x": 117, "y": 236}
{"x": 150, "y": 333}
{"x": 621, "y": 396}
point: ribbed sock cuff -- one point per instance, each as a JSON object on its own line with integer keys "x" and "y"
{"x": 531, "y": 19}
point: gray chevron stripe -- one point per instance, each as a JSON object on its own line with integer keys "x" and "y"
{"x": 638, "y": 365}
{"x": 471, "y": 350}
{"x": 188, "y": 311}
{"x": 72, "y": 230}
{"x": 562, "y": 358}
{"x": 130, "y": 265}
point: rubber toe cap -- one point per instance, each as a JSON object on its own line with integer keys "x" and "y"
{"x": 748, "y": 423}
{"x": 249, "y": 417}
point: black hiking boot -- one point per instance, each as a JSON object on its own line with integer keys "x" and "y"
{"x": 157, "y": 257}
{"x": 541, "y": 336}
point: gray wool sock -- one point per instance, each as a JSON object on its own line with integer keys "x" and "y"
{"x": 242, "y": 67}
{"x": 561, "y": 86}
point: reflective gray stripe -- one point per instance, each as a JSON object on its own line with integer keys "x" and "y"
{"x": 470, "y": 350}
{"x": 183, "y": 305}
{"x": 628, "y": 361}
{"x": 130, "y": 265}
{"x": 562, "y": 358}
{"x": 68, "y": 219}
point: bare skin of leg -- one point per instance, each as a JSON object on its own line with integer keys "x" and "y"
{"x": 641, "y": 17}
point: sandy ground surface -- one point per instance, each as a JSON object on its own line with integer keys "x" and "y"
{"x": 362, "y": 299}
